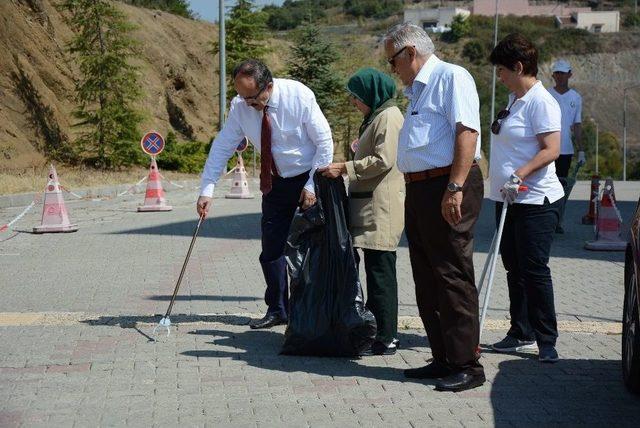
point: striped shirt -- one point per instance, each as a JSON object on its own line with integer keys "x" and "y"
{"x": 441, "y": 96}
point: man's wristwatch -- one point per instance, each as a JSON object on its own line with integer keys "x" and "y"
{"x": 454, "y": 187}
{"x": 515, "y": 179}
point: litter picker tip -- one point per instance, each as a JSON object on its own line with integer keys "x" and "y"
{"x": 165, "y": 322}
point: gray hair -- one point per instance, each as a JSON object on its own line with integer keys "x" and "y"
{"x": 256, "y": 69}
{"x": 406, "y": 34}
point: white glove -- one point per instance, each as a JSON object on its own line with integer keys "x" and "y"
{"x": 510, "y": 189}
{"x": 581, "y": 158}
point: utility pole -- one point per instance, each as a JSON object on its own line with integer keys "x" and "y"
{"x": 624, "y": 131}
{"x": 597, "y": 141}
{"x": 223, "y": 71}
{"x": 493, "y": 85}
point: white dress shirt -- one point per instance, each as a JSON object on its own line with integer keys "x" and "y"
{"x": 441, "y": 96}
{"x": 571, "y": 108}
{"x": 536, "y": 112}
{"x": 300, "y": 134}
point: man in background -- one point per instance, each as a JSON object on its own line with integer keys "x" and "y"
{"x": 571, "y": 107}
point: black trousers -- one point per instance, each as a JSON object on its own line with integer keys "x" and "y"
{"x": 278, "y": 208}
{"x": 525, "y": 247}
{"x": 382, "y": 291}
{"x": 442, "y": 265}
{"x": 563, "y": 162}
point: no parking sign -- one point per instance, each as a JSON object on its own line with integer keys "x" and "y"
{"x": 152, "y": 143}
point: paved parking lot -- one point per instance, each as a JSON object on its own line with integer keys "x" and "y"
{"x": 77, "y": 311}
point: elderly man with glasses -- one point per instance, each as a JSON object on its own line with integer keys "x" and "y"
{"x": 283, "y": 120}
{"x": 437, "y": 152}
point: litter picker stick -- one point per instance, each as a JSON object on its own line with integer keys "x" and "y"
{"x": 166, "y": 321}
{"x": 492, "y": 259}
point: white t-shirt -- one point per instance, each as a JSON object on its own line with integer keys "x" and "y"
{"x": 535, "y": 113}
{"x": 571, "y": 107}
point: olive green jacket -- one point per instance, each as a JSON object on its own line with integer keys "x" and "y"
{"x": 376, "y": 187}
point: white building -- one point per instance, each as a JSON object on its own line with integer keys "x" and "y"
{"x": 597, "y": 22}
{"x": 436, "y": 20}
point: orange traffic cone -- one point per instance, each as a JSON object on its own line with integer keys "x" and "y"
{"x": 239, "y": 186}
{"x": 608, "y": 224}
{"x": 55, "y": 217}
{"x": 590, "y": 216}
{"x": 154, "y": 197}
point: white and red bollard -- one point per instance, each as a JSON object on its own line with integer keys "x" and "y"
{"x": 608, "y": 223}
{"x": 154, "y": 199}
{"x": 55, "y": 217}
{"x": 239, "y": 184}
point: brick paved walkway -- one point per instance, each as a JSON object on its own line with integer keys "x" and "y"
{"x": 121, "y": 266}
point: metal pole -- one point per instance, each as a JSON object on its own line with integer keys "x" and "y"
{"x": 223, "y": 74}
{"x": 493, "y": 85}
{"x": 624, "y": 136}
{"x": 597, "y": 140}
{"x": 254, "y": 161}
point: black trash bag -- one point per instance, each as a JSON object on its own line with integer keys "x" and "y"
{"x": 327, "y": 316}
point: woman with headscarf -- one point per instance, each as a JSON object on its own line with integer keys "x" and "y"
{"x": 376, "y": 198}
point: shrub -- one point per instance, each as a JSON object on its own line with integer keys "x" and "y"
{"x": 475, "y": 52}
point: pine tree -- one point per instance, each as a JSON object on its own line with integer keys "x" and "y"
{"x": 107, "y": 87}
{"x": 312, "y": 63}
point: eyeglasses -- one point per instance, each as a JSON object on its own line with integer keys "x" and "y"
{"x": 392, "y": 60}
{"x": 502, "y": 115}
{"x": 251, "y": 100}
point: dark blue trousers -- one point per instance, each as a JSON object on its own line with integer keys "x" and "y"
{"x": 525, "y": 247}
{"x": 278, "y": 208}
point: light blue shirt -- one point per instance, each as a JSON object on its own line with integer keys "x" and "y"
{"x": 441, "y": 96}
{"x": 300, "y": 134}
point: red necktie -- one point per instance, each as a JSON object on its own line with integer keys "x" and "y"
{"x": 267, "y": 165}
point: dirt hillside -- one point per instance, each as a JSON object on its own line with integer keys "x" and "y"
{"x": 174, "y": 64}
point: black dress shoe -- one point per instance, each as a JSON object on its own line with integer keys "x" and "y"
{"x": 269, "y": 320}
{"x": 460, "y": 381}
{"x": 434, "y": 370}
{"x": 379, "y": 348}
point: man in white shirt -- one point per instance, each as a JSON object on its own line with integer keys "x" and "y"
{"x": 571, "y": 107}
{"x": 283, "y": 120}
{"x": 437, "y": 148}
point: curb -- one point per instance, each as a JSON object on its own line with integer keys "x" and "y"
{"x": 15, "y": 319}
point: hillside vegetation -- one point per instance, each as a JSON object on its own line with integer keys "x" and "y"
{"x": 178, "y": 72}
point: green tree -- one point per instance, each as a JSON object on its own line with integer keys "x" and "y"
{"x": 107, "y": 87}
{"x": 293, "y": 13}
{"x": 246, "y": 33}
{"x": 609, "y": 153}
{"x": 460, "y": 27}
{"x": 312, "y": 62}
{"x": 373, "y": 8}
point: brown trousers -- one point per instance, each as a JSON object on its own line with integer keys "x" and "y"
{"x": 442, "y": 265}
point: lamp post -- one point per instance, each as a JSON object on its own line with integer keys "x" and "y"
{"x": 223, "y": 73}
{"x": 597, "y": 139}
{"x": 624, "y": 131}
{"x": 493, "y": 85}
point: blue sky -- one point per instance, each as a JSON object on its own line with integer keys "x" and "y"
{"x": 208, "y": 9}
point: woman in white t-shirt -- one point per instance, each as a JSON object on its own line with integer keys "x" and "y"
{"x": 526, "y": 142}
